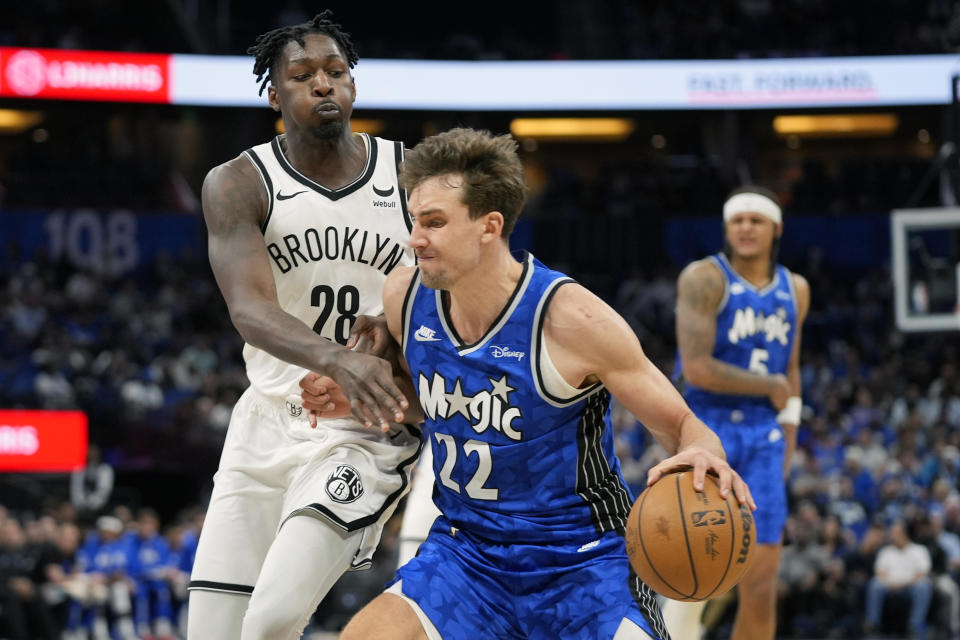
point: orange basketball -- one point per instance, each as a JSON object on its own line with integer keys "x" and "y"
{"x": 686, "y": 544}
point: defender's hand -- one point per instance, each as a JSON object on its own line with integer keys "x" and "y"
{"x": 367, "y": 381}
{"x": 369, "y": 334}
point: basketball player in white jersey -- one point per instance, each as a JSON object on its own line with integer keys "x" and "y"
{"x": 303, "y": 231}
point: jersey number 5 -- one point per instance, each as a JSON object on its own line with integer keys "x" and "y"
{"x": 758, "y": 361}
{"x": 347, "y": 301}
{"x": 474, "y": 488}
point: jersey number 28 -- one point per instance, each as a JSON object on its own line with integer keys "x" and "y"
{"x": 347, "y": 301}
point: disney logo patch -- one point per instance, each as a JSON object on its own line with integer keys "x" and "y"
{"x": 505, "y": 352}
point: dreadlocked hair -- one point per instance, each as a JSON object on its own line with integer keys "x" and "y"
{"x": 268, "y": 46}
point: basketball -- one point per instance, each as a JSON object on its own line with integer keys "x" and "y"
{"x": 689, "y": 545}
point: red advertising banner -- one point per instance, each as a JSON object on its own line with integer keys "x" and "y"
{"x": 42, "y": 440}
{"x": 84, "y": 75}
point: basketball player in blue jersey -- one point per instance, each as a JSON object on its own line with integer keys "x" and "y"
{"x": 303, "y": 231}
{"x": 739, "y": 319}
{"x": 515, "y": 368}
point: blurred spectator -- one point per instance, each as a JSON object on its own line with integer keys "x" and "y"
{"x": 25, "y": 614}
{"x": 92, "y": 485}
{"x": 28, "y": 312}
{"x": 868, "y": 453}
{"x": 843, "y": 505}
{"x": 902, "y": 567}
{"x": 53, "y": 389}
{"x": 839, "y": 617}
{"x": 142, "y": 394}
{"x": 949, "y": 541}
{"x": 945, "y": 588}
{"x": 803, "y": 568}
{"x": 107, "y": 558}
{"x": 153, "y": 610}
{"x": 63, "y": 578}
{"x": 182, "y": 543}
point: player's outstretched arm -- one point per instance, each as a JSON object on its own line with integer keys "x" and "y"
{"x": 699, "y": 292}
{"x": 234, "y": 205}
{"x": 588, "y": 342}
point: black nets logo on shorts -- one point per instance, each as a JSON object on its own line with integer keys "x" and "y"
{"x": 294, "y": 409}
{"x": 344, "y": 484}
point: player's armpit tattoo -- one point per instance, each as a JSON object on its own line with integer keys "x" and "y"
{"x": 701, "y": 291}
{"x": 229, "y": 201}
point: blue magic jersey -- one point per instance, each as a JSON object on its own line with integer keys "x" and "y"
{"x": 756, "y": 329}
{"x": 513, "y": 461}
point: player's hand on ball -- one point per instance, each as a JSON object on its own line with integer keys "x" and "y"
{"x": 702, "y": 461}
{"x": 322, "y": 398}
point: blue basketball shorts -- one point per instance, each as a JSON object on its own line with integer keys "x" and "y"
{"x": 471, "y": 589}
{"x": 755, "y": 449}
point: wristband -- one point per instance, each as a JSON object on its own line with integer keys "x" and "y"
{"x": 791, "y": 413}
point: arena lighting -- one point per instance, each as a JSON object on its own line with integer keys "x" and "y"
{"x": 367, "y": 125}
{"x": 16, "y": 121}
{"x": 572, "y": 129}
{"x": 837, "y": 125}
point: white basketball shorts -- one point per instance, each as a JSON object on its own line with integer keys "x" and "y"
{"x": 274, "y": 466}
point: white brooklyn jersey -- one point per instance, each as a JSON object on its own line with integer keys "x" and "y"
{"x": 330, "y": 249}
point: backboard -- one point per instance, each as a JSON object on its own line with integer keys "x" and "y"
{"x": 926, "y": 268}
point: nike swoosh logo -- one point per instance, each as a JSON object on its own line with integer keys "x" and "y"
{"x": 421, "y": 337}
{"x": 280, "y": 196}
{"x": 383, "y": 193}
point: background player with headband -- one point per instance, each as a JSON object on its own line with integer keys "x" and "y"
{"x": 303, "y": 231}
{"x": 739, "y": 318}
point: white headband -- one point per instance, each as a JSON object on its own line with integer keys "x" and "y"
{"x": 754, "y": 203}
